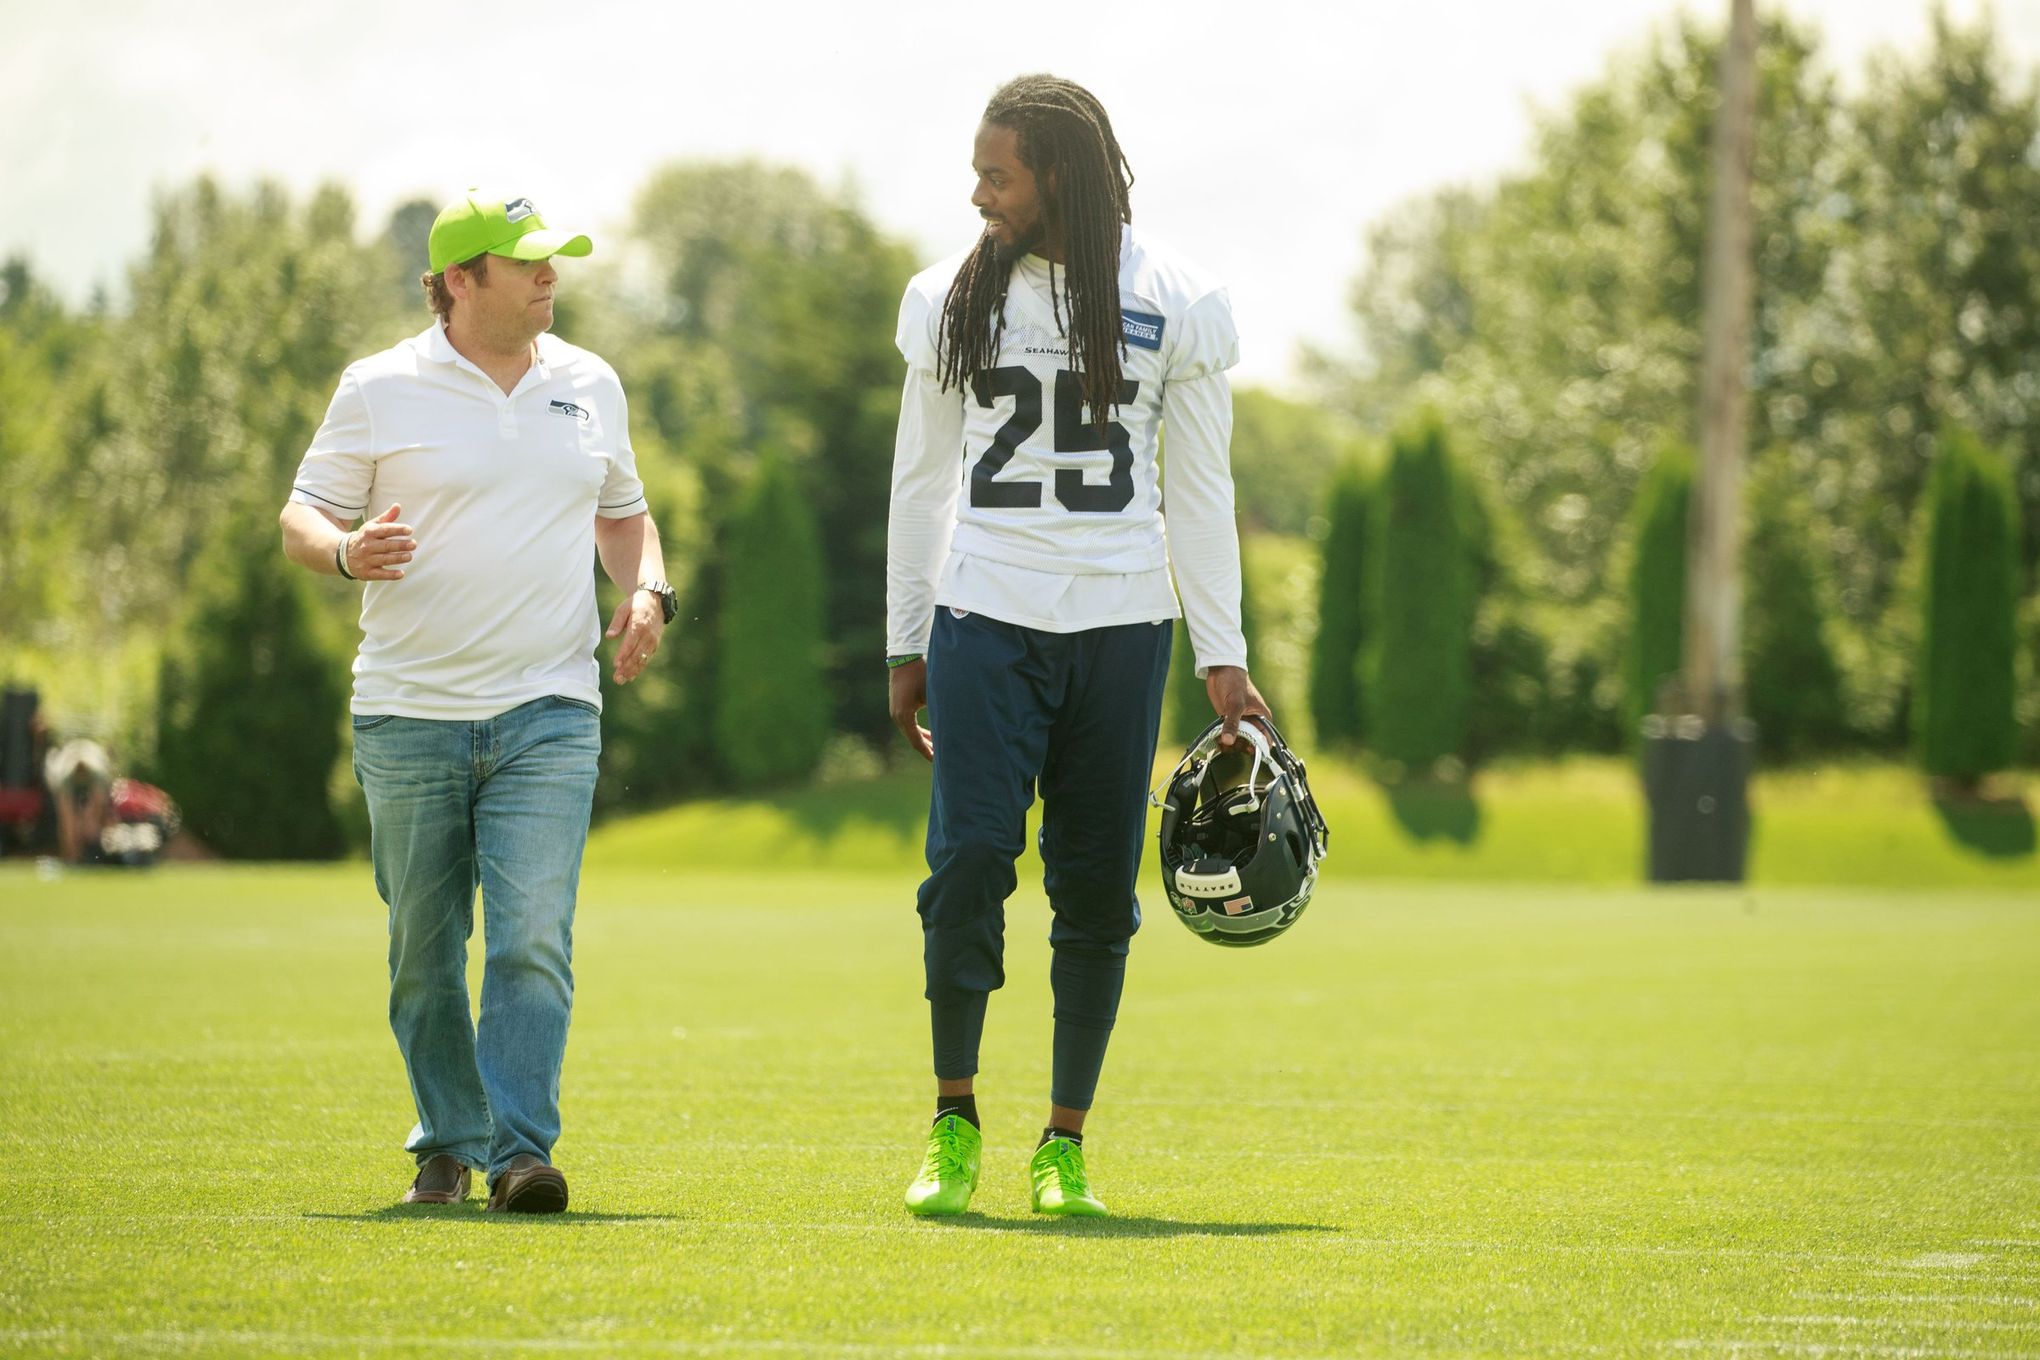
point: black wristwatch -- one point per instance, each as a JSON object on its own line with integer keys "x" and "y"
{"x": 669, "y": 599}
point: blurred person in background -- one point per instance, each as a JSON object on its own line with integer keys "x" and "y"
{"x": 80, "y": 778}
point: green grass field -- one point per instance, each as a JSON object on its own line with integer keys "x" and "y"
{"x": 1465, "y": 1121}
{"x": 1575, "y": 821}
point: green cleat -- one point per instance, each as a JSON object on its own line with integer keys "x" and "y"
{"x": 949, "y": 1173}
{"x": 1060, "y": 1185}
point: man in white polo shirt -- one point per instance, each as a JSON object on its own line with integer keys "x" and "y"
{"x": 495, "y": 461}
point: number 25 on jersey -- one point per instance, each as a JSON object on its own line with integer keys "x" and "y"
{"x": 1073, "y": 434}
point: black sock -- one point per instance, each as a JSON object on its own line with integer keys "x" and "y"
{"x": 1053, "y": 1132}
{"x": 963, "y": 1106}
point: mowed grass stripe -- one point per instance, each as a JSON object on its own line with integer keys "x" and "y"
{"x": 1433, "y": 1121}
{"x": 285, "y": 1342}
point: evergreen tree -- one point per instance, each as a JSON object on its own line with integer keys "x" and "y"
{"x": 1335, "y": 700}
{"x": 250, "y": 705}
{"x": 654, "y": 743}
{"x": 771, "y": 700}
{"x": 794, "y": 292}
{"x": 1962, "y": 703}
{"x": 1791, "y": 684}
{"x": 1657, "y": 581}
{"x": 1417, "y": 681}
{"x": 1511, "y": 704}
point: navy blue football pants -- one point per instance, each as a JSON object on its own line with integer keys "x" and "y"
{"x": 1077, "y": 713}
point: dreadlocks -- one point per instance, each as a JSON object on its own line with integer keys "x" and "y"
{"x": 1061, "y": 127}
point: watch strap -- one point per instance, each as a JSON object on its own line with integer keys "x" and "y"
{"x": 669, "y": 599}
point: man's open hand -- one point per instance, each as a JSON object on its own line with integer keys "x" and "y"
{"x": 639, "y": 621}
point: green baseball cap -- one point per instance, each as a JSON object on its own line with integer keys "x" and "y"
{"x": 482, "y": 224}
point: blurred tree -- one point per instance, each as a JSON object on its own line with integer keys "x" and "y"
{"x": 245, "y": 312}
{"x": 1282, "y": 453}
{"x": 1792, "y": 686}
{"x": 2029, "y": 680}
{"x": 1554, "y": 318}
{"x": 658, "y": 744}
{"x": 1336, "y": 707}
{"x": 45, "y": 510}
{"x": 1963, "y": 723}
{"x": 771, "y": 700}
{"x": 798, "y": 294}
{"x": 250, "y": 703}
{"x": 404, "y": 246}
{"x": 1657, "y": 582}
{"x": 1930, "y": 316}
{"x": 1418, "y": 678}
{"x": 1508, "y": 657}
{"x": 687, "y": 423}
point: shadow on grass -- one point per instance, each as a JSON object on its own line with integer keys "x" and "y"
{"x": 472, "y": 1212}
{"x": 1126, "y": 1227}
{"x": 1435, "y": 810}
{"x": 2000, "y": 827}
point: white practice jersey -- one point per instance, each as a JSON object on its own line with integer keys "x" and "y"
{"x": 1011, "y": 492}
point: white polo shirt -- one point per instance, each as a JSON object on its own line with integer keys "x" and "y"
{"x": 498, "y": 606}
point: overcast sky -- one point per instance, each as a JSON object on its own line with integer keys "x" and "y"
{"x": 1264, "y": 136}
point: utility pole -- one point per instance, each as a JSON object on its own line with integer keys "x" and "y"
{"x": 1697, "y": 747}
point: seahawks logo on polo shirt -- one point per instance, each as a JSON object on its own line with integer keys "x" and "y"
{"x": 567, "y": 408}
{"x": 517, "y": 209}
{"x": 1141, "y": 329}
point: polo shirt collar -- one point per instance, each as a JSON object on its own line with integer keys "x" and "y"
{"x": 439, "y": 349}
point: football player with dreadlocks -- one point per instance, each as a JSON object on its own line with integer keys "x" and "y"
{"x": 1028, "y": 587}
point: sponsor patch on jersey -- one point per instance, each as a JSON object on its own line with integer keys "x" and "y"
{"x": 1141, "y": 329}
{"x": 567, "y": 408}
{"x": 517, "y": 209}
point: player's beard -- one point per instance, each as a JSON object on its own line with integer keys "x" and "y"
{"x": 1023, "y": 244}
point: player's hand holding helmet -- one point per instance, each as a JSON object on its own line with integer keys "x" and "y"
{"x": 1241, "y": 836}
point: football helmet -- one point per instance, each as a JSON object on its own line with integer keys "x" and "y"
{"x": 1241, "y": 836}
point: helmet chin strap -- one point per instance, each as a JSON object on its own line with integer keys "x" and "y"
{"x": 1252, "y": 802}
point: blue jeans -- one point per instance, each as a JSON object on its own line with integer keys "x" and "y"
{"x": 501, "y": 804}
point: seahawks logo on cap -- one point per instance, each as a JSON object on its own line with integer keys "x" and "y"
{"x": 517, "y": 209}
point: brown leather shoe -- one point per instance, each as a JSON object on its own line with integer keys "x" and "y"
{"x": 528, "y": 1186}
{"x": 442, "y": 1180}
